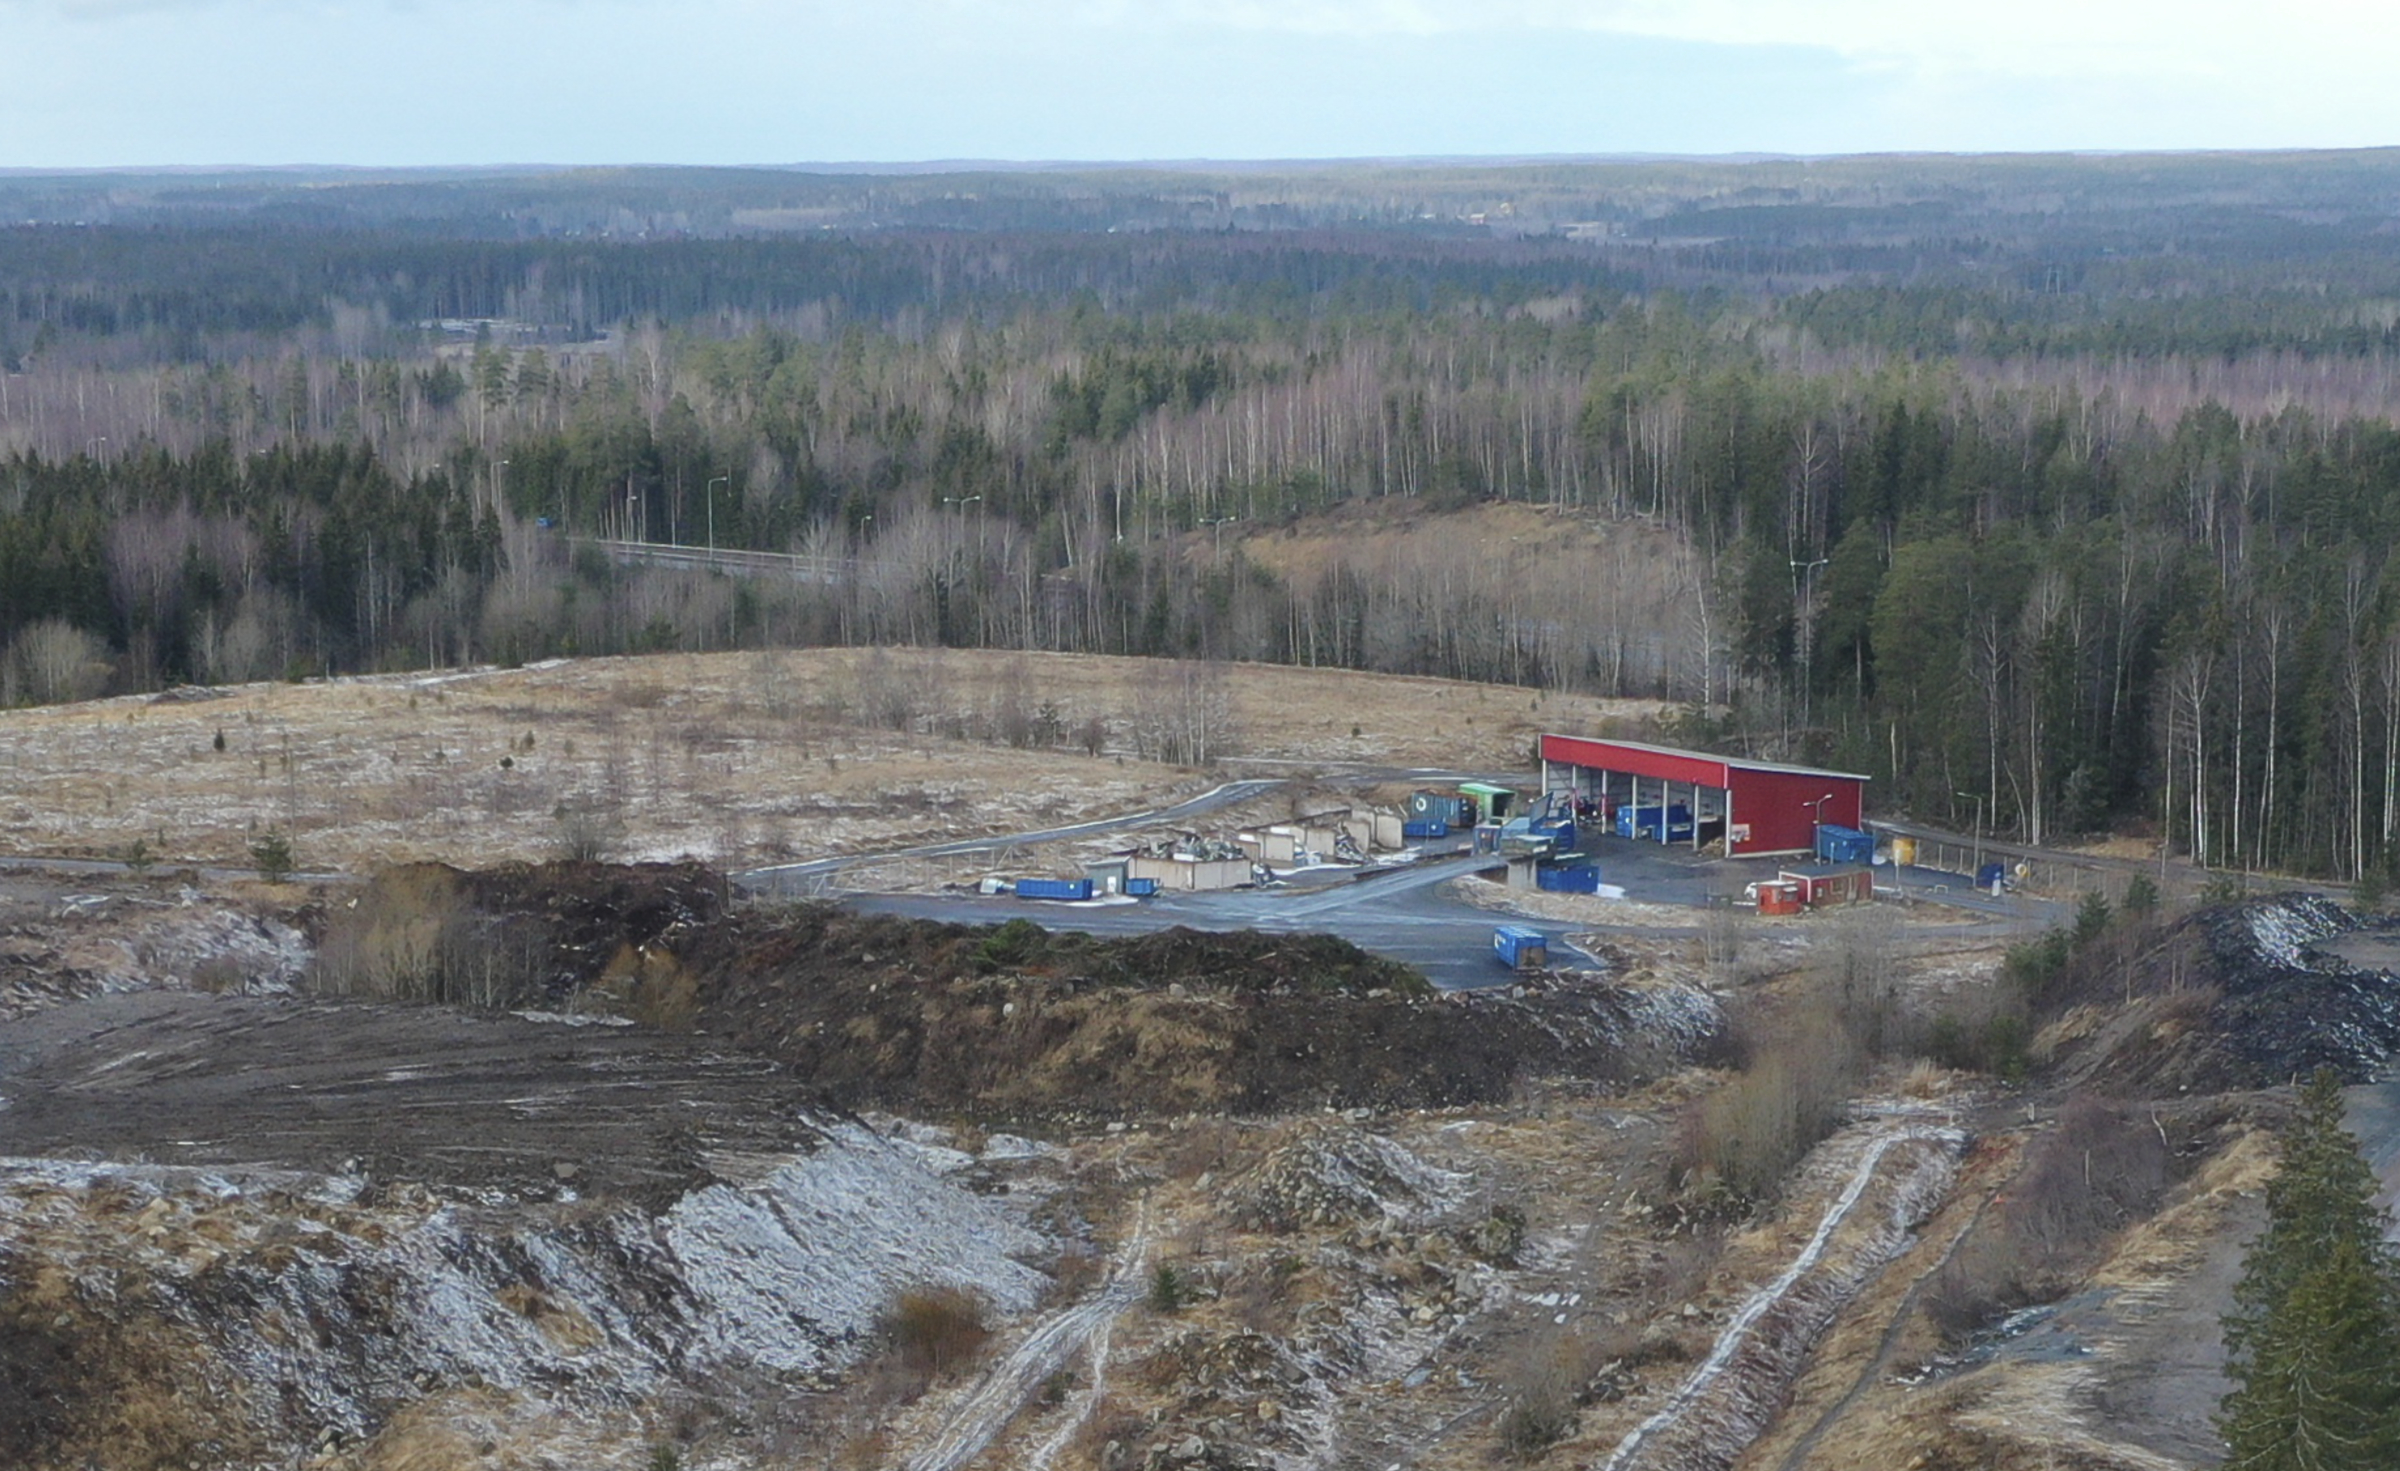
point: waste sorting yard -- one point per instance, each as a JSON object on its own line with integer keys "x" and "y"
{"x": 572, "y": 1163}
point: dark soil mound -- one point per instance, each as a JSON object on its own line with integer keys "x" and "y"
{"x": 2290, "y": 1008}
{"x": 2240, "y": 996}
{"x": 588, "y": 912}
{"x": 1016, "y": 1022}
{"x": 1006, "y": 1021}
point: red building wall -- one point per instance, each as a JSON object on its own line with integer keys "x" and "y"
{"x": 1780, "y": 808}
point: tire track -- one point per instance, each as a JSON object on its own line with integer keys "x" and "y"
{"x": 977, "y": 1420}
{"x": 1737, "y": 1335}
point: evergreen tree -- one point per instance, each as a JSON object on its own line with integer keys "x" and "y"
{"x": 2317, "y": 1389}
{"x": 2313, "y": 1341}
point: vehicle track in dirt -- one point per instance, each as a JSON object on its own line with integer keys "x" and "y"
{"x": 979, "y": 1418}
{"x": 1903, "y": 1313}
{"x": 1701, "y": 1388}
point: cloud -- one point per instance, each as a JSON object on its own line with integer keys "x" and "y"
{"x": 2189, "y": 40}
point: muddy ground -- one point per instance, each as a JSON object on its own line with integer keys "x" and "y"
{"x": 420, "y": 1093}
{"x": 244, "y": 1224}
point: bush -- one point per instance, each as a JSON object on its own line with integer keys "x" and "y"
{"x": 2101, "y": 1167}
{"x": 2091, "y": 918}
{"x": 2035, "y": 965}
{"x": 2141, "y": 896}
{"x": 1169, "y": 1293}
{"x": 1544, "y": 1384}
{"x": 1012, "y": 944}
{"x": 1735, "y": 1145}
{"x": 272, "y": 857}
{"x": 414, "y": 936}
{"x": 936, "y": 1330}
{"x": 1998, "y": 1043}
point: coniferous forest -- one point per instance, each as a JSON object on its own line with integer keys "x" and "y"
{"x": 2054, "y": 492}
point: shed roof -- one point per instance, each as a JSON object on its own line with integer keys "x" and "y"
{"x": 1672, "y": 753}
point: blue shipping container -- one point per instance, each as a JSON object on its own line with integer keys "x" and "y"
{"x": 1054, "y": 888}
{"x": 1417, "y": 830}
{"x": 1836, "y": 844}
{"x": 1642, "y": 822}
{"x": 1582, "y": 878}
{"x": 1141, "y": 888}
{"x": 1520, "y": 948}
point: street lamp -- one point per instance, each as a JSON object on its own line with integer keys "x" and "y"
{"x": 1977, "y": 799}
{"x": 1816, "y": 815}
{"x": 1218, "y": 523}
{"x": 710, "y": 491}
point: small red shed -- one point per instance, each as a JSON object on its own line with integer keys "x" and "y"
{"x": 1756, "y": 806}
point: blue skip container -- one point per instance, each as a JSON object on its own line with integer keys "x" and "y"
{"x": 1054, "y": 888}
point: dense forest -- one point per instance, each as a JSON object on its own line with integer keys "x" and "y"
{"x": 2056, "y": 494}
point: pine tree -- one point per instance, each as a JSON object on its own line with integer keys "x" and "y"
{"x": 2317, "y": 1390}
{"x": 2313, "y": 1341}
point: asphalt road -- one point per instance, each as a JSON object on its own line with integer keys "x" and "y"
{"x": 1401, "y": 913}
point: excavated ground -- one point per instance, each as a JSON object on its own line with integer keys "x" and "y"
{"x": 243, "y": 1225}
{"x": 415, "y": 1093}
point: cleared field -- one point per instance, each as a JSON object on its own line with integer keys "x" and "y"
{"x": 739, "y": 758}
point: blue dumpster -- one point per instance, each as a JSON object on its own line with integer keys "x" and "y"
{"x": 1054, "y": 889}
{"x": 1520, "y": 948}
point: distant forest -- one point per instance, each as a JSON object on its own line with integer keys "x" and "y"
{"x": 2054, "y": 492}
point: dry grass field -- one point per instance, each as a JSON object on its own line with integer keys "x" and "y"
{"x": 737, "y": 758}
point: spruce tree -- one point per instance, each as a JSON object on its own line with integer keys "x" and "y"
{"x": 2313, "y": 1341}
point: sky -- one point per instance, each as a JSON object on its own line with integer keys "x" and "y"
{"x": 113, "y": 83}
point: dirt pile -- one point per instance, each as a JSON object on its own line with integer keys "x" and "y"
{"x": 2241, "y": 996}
{"x": 1007, "y": 1021}
{"x": 929, "y": 1018}
{"x": 1333, "y": 1175}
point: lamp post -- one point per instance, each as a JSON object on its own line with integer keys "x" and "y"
{"x": 1977, "y": 799}
{"x": 1816, "y": 816}
{"x": 1217, "y": 523}
{"x": 710, "y": 491}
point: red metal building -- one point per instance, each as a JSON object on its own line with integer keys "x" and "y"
{"x": 1757, "y": 806}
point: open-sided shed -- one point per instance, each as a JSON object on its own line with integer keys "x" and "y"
{"x": 1757, "y": 806}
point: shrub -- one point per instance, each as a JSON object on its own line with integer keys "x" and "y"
{"x": 1169, "y": 1293}
{"x": 1735, "y": 1145}
{"x": 936, "y": 1330}
{"x": 1543, "y": 1383}
{"x": 587, "y": 833}
{"x": 413, "y": 936}
{"x": 271, "y": 855}
{"x": 1012, "y": 944}
{"x": 2091, "y": 918}
{"x": 2141, "y": 896}
{"x": 2100, "y": 1168}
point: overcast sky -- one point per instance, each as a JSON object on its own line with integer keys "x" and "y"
{"x": 123, "y": 82}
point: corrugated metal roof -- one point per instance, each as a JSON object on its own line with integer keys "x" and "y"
{"x": 1740, "y": 762}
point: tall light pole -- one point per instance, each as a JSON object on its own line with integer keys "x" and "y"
{"x": 1977, "y": 799}
{"x": 710, "y": 491}
{"x": 1218, "y": 523}
{"x": 1816, "y": 814}
{"x": 1805, "y": 611}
